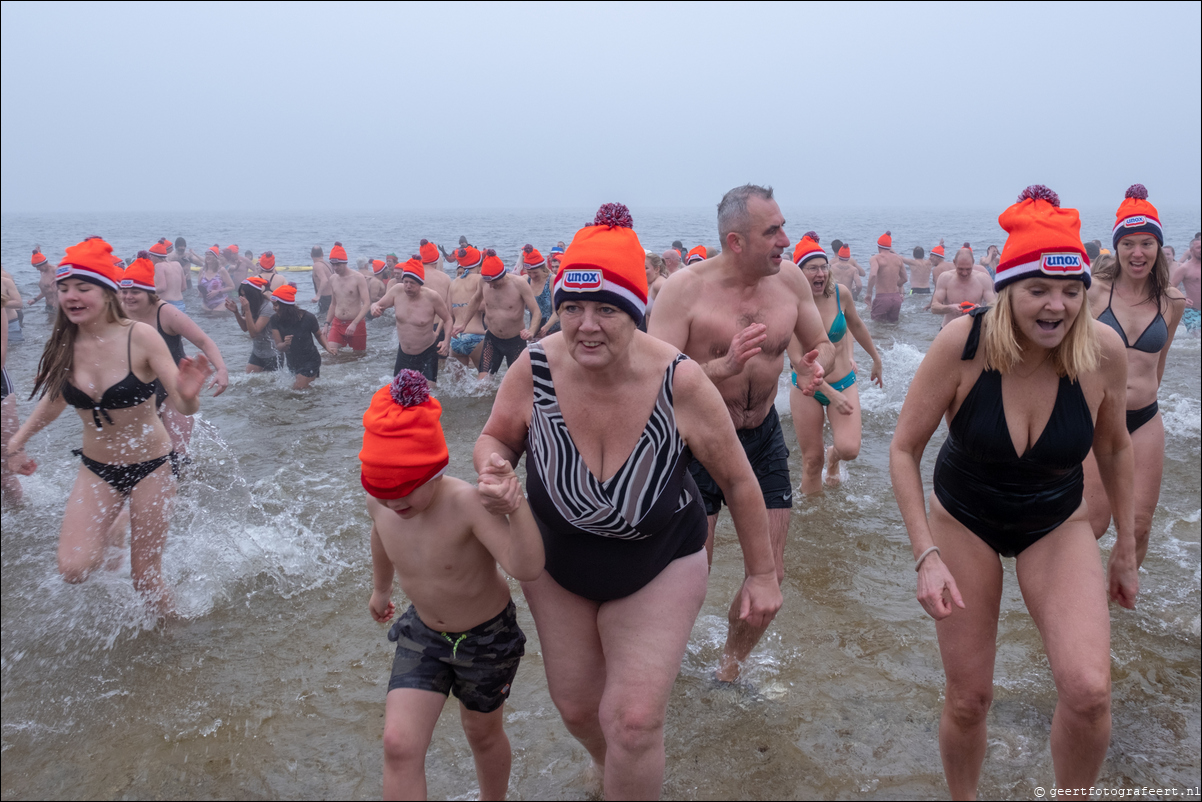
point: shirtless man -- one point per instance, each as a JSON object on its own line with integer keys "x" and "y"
{"x": 1188, "y": 275}
{"x": 236, "y": 265}
{"x": 168, "y": 274}
{"x": 14, "y": 309}
{"x": 47, "y": 289}
{"x": 321, "y": 281}
{"x": 671, "y": 259}
{"x": 960, "y": 290}
{"x": 187, "y": 257}
{"x": 345, "y": 322}
{"x": 417, "y": 307}
{"x": 505, "y": 298}
{"x": 735, "y": 315}
{"x": 377, "y": 285}
{"x": 846, "y": 270}
{"x": 921, "y": 269}
{"x": 886, "y": 279}
{"x": 467, "y": 341}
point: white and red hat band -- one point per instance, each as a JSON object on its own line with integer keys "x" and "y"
{"x": 1138, "y": 224}
{"x": 1062, "y": 264}
{"x": 64, "y": 272}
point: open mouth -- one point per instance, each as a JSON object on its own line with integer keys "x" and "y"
{"x": 1049, "y": 325}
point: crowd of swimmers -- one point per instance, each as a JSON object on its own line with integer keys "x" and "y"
{"x": 641, "y": 389}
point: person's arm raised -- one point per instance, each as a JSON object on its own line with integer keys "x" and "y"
{"x": 931, "y": 394}
{"x": 1116, "y": 465}
{"x": 705, "y": 426}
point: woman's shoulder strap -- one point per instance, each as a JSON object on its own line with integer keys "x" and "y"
{"x": 974, "y": 336}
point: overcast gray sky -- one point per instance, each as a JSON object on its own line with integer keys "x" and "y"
{"x": 357, "y": 107}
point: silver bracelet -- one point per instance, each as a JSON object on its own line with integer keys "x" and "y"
{"x": 923, "y": 556}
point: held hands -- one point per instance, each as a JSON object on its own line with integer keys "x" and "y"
{"x": 499, "y": 488}
{"x": 759, "y": 599}
{"x": 192, "y": 375}
{"x": 743, "y": 346}
{"x": 937, "y": 589}
{"x": 381, "y": 606}
{"x": 809, "y": 373}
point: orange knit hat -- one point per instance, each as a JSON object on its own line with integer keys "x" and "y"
{"x": 285, "y": 294}
{"x": 414, "y": 269}
{"x": 1137, "y": 216}
{"x": 468, "y": 257}
{"x": 377, "y": 266}
{"x": 38, "y": 258}
{"x": 885, "y": 241}
{"x": 531, "y": 258}
{"x": 216, "y": 251}
{"x": 428, "y": 251}
{"x": 161, "y": 248}
{"x": 938, "y": 251}
{"x": 492, "y": 268}
{"x": 90, "y": 261}
{"x": 403, "y": 443}
{"x": 605, "y": 263}
{"x": 845, "y": 253}
{"x": 698, "y": 254}
{"x": 807, "y": 249}
{"x": 258, "y": 282}
{"x": 338, "y": 253}
{"x": 267, "y": 261}
{"x": 139, "y": 275}
{"x": 1044, "y": 240}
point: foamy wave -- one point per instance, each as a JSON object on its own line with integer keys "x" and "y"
{"x": 1182, "y": 416}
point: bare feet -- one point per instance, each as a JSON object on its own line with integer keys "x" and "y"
{"x": 832, "y": 468}
{"x": 728, "y": 668}
{"x": 593, "y": 780}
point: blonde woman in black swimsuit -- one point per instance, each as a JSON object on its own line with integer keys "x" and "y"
{"x": 1132, "y": 295}
{"x": 105, "y": 365}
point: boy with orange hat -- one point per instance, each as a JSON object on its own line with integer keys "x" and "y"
{"x": 345, "y": 322}
{"x": 460, "y": 634}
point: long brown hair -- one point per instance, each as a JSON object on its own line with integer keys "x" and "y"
{"x": 58, "y": 357}
{"x": 1158, "y": 278}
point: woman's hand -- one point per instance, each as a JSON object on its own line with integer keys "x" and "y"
{"x": 230, "y": 306}
{"x": 877, "y": 372}
{"x": 759, "y": 599}
{"x": 937, "y": 590}
{"x": 840, "y": 402}
{"x": 18, "y": 461}
{"x": 1123, "y": 576}
{"x": 193, "y": 372}
{"x": 221, "y": 380}
{"x": 381, "y": 606}
{"x": 499, "y": 488}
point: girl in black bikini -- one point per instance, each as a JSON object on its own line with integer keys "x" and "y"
{"x": 1136, "y": 300}
{"x": 105, "y": 365}
{"x": 1027, "y": 387}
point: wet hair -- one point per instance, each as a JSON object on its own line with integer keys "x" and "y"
{"x": 180, "y": 243}
{"x": 1092, "y": 250}
{"x": 836, "y": 244}
{"x": 919, "y": 252}
{"x": 58, "y": 357}
{"x": 1079, "y": 352}
{"x": 678, "y": 245}
{"x": 1158, "y": 277}
{"x": 316, "y": 252}
{"x": 254, "y": 297}
{"x": 732, "y": 211}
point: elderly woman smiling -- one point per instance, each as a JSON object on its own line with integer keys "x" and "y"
{"x": 608, "y": 417}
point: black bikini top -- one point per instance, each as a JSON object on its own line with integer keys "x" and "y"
{"x": 129, "y": 392}
{"x": 1156, "y": 334}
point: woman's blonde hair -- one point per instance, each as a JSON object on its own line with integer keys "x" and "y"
{"x": 58, "y": 357}
{"x": 1079, "y": 352}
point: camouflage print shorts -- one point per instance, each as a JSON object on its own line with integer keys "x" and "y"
{"x": 477, "y": 666}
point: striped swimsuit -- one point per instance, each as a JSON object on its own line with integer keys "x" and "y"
{"x": 606, "y": 540}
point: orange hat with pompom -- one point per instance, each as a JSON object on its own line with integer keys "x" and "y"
{"x": 258, "y": 282}
{"x": 1137, "y": 216}
{"x": 338, "y": 253}
{"x": 161, "y": 249}
{"x": 492, "y": 268}
{"x": 938, "y": 251}
{"x": 1044, "y": 240}
{"x": 605, "y": 263}
{"x": 139, "y": 275}
{"x": 531, "y": 258}
{"x": 807, "y": 249}
{"x": 468, "y": 257}
{"x": 377, "y": 266}
{"x": 414, "y": 269}
{"x": 90, "y": 261}
{"x": 38, "y": 258}
{"x": 403, "y": 443}
{"x": 267, "y": 261}
{"x": 885, "y": 241}
{"x": 845, "y": 253}
{"x": 428, "y": 251}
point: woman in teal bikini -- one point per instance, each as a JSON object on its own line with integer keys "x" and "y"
{"x": 839, "y": 391}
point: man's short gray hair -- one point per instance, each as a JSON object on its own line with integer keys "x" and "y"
{"x": 732, "y": 211}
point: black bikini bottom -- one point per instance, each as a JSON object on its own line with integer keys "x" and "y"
{"x": 1138, "y": 417}
{"x": 124, "y": 478}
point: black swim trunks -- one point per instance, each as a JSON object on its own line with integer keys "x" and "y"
{"x": 769, "y": 457}
{"x": 323, "y": 305}
{"x": 478, "y": 666}
{"x": 425, "y": 363}
{"x": 264, "y": 363}
{"x": 495, "y": 349}
{"x": 920, "y": 290}
{"x": 6, "y": 386}
{"x": 310, "y": 370}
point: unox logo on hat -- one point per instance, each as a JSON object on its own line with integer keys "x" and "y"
{"x": 127, "y": 282}
{"x": 61, "y": 271}
{"x": 1132, "y": 222}
{"x": 583, "y": 280}
{"x": 1062, "y": 263}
